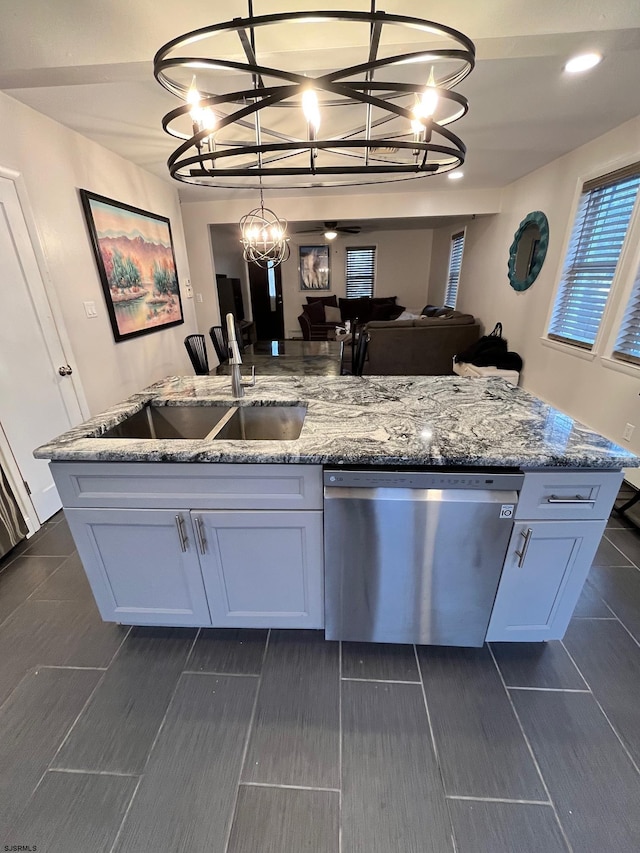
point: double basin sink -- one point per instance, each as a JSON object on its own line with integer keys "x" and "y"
{"x": 215, "y": 422}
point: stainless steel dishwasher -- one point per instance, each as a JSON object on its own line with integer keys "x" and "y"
{"x": 415, "y": 556}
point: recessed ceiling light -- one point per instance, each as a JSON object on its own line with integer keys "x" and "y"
{"x": 455, "y": 176}
{"x": 583, "y": 62}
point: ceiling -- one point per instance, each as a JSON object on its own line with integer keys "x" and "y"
{"x": 88, "y": 64}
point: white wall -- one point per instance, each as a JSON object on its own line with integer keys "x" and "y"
{"x": 584, "y": 387}
{"x": 54, "y": 163}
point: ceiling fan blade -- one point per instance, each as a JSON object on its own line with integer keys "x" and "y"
{"x": 355, "y": 229}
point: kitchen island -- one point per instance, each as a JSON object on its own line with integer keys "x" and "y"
{"x": 229, "y": 531}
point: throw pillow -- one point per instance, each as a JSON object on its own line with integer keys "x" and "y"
{"x": 354, "y": 309}
{"x": 386, "y": 311}
{"x": 429, "y": 310}
{"x": 332, "y": 314}
{"x": 383, "y": 300}
{"x": 326, "y": 300}
{"x": 315, "y": 312}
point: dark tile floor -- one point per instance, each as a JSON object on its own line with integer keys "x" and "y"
{"x": 158, "y": 740}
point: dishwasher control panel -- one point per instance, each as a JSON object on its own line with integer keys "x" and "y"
{"x": 373, "y": 479}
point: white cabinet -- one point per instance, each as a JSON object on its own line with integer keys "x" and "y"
{"x": 560, "y": 519}
{"x": 550, "y": 552}
{"x": 223, "y": 545}
{"x": 137, "y": 568}
{"x": 262, "y": 569}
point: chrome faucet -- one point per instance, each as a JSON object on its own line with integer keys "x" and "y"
{"x": 237, "y": 385}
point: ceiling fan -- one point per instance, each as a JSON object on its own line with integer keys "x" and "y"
{"x": 330, "y": 230}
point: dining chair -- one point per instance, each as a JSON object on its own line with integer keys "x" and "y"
{"x": 361, "y": 353}
{"x": 219, "y": 342}
{"x": 197, "y": 353}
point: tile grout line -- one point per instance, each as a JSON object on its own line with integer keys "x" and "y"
{"x": 288, "y": 787}
{"x": 81, "y": 668}
{"x": 93, "y": 772}
{"x": 379, "y": 680}
{"x": 33, "y": 592}
{"x": 531, "y": 752}
{"x": 499, "y": 800}
{"x": 435, "y": 748}
{"x": 620, "y": 551}
{"x": 66, "y": 737}
{"x": 549, "y": 689}
{"x": 155, "y": 740}
{"x": 595, "y": 618}
{"x": 340, "y": 680}
{"x": 230, "y": 674}
{"x": 618, "y": 619}
{"x": 604, "y": 713}
{"x": 245, "y": 749}
{"x": 126, "y": 812}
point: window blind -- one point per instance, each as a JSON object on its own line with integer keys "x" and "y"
{"x": 361, "y": 271}
{"x": 596, "y": 240}
{"x": 627, "y": 345}
{"x": 455, "y": 264}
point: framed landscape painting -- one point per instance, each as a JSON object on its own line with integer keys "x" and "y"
{"x": 137, "y": 266}
{"x": 314, "y": 268}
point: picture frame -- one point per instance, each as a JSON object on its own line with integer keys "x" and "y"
{"x": 134, "y": 254}
{"x": 314, "y": 265}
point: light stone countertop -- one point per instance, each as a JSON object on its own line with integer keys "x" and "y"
{"x": 372, "y": 420}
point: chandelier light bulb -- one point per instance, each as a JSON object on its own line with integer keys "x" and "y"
{"x": 193, "y": 98}
{"x": 310, "y": 108}
{"x": 208, "y": 119}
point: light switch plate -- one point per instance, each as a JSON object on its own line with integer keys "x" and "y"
{"x": 198, "y": 297}
{"x": 90, "y": 310}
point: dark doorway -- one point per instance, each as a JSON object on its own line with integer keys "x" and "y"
{"x": 266, "y": 302}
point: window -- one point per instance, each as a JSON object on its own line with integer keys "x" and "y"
{"x": 627, "y": 345}
{"x": 361, "y": 271}
{"x": 455, "y": 263}
{"x": 598, "y": 233}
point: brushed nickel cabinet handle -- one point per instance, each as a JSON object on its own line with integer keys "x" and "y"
{"x": 525, "y": 547}
{"x": 200, "y": 534}
{"x": 554, "y": 499}
{"x": 181, "y": 536}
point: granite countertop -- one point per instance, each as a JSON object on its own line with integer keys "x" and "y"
{"x": 380, "y": 420}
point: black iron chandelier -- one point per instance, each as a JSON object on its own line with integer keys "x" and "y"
{"x": 245, "y": 123}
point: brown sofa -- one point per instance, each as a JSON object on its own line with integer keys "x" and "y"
{"x": 423, "y": 347}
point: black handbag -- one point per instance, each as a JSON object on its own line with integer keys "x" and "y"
{"x": 491, "y": 350}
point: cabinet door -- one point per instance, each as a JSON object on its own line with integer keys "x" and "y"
{"x": 137, "y": 568}
{"x": 543, "y": 575}
{"x": 262, "y": 569}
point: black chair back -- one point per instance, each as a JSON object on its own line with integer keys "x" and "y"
{"x": 361, "y": 353}
{"x": 197, "y": 353}
{"x": 219, "y": 342}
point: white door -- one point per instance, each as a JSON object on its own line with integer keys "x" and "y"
{"x": 36, "y": 402}
{"x": 142, "y": 565}
{"x": 262, "y": 569}
{"x": 544, "y": 571}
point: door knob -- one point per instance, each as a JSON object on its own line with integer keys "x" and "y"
{"x": 65, "y": 370}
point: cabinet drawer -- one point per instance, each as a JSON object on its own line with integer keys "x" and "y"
{"x": 151, "y": 485}
{"x": 558, "y": 495}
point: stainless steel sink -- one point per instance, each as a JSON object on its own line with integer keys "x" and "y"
{"x": 167, "y": 422}
{"x": 244, "y": 423}
{"x": 264, "y": 423}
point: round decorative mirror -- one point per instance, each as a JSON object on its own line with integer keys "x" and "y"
{"x": 528, "y": 250}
